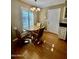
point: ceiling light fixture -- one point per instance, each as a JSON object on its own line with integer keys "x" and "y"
{"x": 35, "y": 8}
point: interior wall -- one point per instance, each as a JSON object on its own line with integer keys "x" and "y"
{"x": 44, "y": 12}
{"x": 61, "y": 6}
{"x": 43, "y": 17}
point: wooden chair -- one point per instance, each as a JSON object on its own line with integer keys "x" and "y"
{"x": 21, "y": 40}
{"x": 37, "y": 37}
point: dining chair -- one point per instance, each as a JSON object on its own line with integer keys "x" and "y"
{"x": 37, "y": 37}
{"x": 21, "y": 40}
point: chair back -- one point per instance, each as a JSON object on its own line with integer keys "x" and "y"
{"x": 18, "y": 34}
{"x": 40, "y": 33}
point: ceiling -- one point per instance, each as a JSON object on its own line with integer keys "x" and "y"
{"x": 43, "y": 3}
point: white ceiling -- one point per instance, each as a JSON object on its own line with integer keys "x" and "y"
{"x": 44, "y": 3}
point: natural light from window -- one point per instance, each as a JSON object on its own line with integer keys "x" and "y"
{"x": 27, "y": 19}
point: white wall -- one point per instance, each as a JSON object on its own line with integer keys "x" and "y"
{"x": 53, "y": 20}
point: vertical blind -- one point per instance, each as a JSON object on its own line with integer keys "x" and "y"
{"x": 27, "y": 19}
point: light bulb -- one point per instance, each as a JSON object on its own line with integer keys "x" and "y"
{"x": 33, "y": 8}
{"x": 38, "y": 9}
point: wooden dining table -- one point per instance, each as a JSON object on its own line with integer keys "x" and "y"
{"x": 33, "y": 28}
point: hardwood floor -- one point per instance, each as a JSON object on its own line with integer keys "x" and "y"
{"x": 51, "y": 42}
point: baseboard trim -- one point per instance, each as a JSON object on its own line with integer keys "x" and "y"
{"x": 50, "y": 32}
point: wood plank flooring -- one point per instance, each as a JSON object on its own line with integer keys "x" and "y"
{"x": 29, "y": 51}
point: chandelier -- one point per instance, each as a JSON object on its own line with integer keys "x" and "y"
{"x": 35, "y": 8}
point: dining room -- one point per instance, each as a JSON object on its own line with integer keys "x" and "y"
{"x": 35, "y": 29}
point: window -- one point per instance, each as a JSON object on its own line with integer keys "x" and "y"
{"x": 27, "y": 19}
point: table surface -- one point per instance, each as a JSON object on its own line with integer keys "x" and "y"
{"x": 34, "y": 28}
